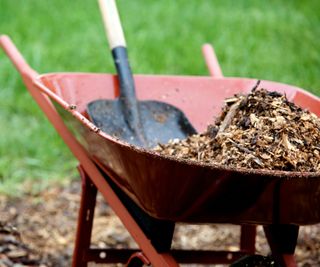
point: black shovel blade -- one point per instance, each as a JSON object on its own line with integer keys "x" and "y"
{"x": 160, "y": 122}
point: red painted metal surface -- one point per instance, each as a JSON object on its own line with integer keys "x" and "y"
{"x": 85, "y": 221}
{"x": 166, "y": 187}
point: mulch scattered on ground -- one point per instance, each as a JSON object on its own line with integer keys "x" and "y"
{"x": 39, "y": 230}
{"x": 260, "y": 130}
{"x": 12, "y": 249}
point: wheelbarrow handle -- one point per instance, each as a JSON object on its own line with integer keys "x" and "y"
{"x": 16, "y": 58}
{"x": 212, "y": 61}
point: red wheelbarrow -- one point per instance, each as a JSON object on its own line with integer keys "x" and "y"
{"x": 149, "y": 192}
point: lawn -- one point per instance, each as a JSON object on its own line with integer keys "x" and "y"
{"x": 274, "y": 40}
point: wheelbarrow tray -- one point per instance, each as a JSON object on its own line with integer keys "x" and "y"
{"x": 180, "y": 190}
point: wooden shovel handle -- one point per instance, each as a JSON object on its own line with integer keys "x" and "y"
{"x": 112, "y": 24}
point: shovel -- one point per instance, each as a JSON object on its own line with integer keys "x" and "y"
{"x": 140, "y": 123}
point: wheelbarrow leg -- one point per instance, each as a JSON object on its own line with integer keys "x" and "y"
{"x": 85, "y": 220}
{"x": 282, "y": 240}
{"x": 248, "y": 239}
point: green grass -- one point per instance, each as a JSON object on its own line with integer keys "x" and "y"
{"x": 275, "y": 40}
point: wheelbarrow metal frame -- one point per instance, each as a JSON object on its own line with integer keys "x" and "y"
{"x": 93, "y": 180}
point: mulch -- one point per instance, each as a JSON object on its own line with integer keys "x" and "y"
{"x": 39, "y": 230}
{"x": 259, "y": 130}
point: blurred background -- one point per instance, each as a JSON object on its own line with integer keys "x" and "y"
{"x": 273, "y": 40}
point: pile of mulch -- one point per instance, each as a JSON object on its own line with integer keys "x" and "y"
{"x": 260, "y": 130}
{"x": 39, "y": 230}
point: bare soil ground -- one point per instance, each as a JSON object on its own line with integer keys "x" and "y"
{"x": 39, "y": 230}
